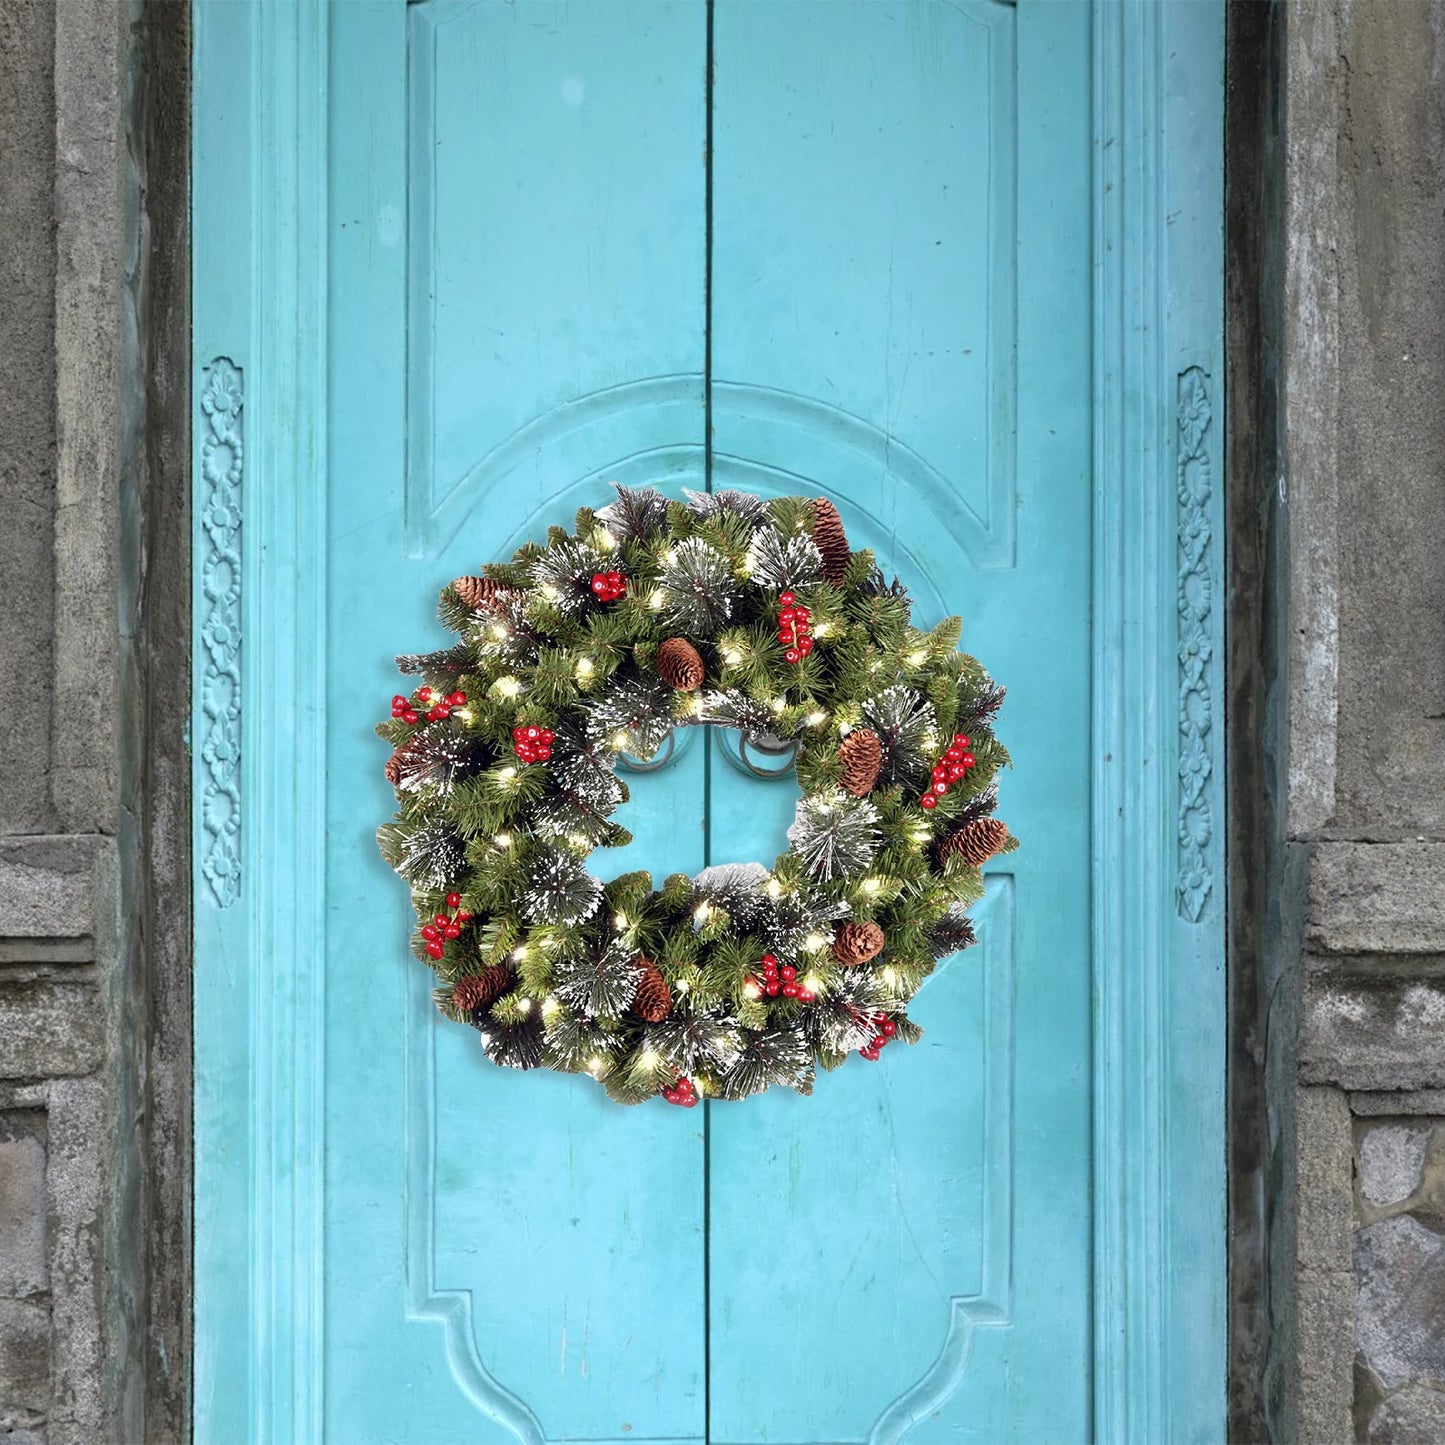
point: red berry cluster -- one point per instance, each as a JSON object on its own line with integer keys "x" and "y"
{"x": 954, "y": 763}
{"x": 793, "y": 630}
{"x": 437, "y": 707}
{"x": 884, "y": 1031}
{"x": 681, "y": 1094}
{"x": 445, "y": 927}
{"x": 608, "y": 586}
{"x": 777, "y": 980}
{"x": 532, "y": 744}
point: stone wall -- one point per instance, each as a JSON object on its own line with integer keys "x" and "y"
{"x": 93, "y": 1325}
{"x": 1363, "y": 495}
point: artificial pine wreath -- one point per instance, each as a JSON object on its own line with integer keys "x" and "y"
{"x": 727, "y": 609}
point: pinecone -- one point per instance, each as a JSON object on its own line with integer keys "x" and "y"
{"x": 481, "y": 990}
{"x": 479, "y": 592}
{"x": 680, "y": 665}
{"x": 861, "y": 754}
{"x": 975, "y": 842}
{"x": 652, "y": 1002}
{"x": 394, "y": 768}
{"x": 831, "y": 539}
{"x": 855, "y": 943}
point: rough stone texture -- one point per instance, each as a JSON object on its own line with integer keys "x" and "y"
{"x": 1324, "y": 1282}
{"x": 94, "y": 1072}
{"x": 27, "y": 404}
{"x": 24, "y": 1362}
{"x": 1400, "y": 1304}
{"x": 49, "y": 1029}
{"x": 23, "y": 1265}
{"x": 1389, "y": 1161}
{"x": 1365, "y": 1028}
{"x": 1362, "y": 91}
{"x": 1412, "y": 1416}
{"x": 1380, "y": 898}
{"x": 1391, "y": 458}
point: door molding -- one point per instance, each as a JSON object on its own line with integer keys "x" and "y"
{"x": 260, "y": 232}
{"x": 1159, "y": 1123}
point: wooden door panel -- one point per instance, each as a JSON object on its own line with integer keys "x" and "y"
{"x": 512, "y": 1235}
{"x": 555, "y": 244}
{"x": 873, "y": 226}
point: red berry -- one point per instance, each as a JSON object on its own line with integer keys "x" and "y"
{"x": 889, "y": 1027}
{"x": 802, "y": 613}
{"x": 807, "y": 995}
{"x": 452, "y": 930}
{"x": 789, "y": 973}
{"x": 464, "y": 916}
{"x": 543, "y": 754}
{"x": 968, "y": 760}
{"x": 940, "y": 788}
{"x": 928, "y": 800}
{"x": 787, "y": 598}
{"x": 441, "y": 920}
{"x": 792, "y": 655}
{"x": 435, "y": 950}
{"x": 769, "y": 958}
{"x": 547, "y": 735}
{"x": 690, "y": 1101}
{"x": 454, "y": 900}
{"x": 409, "y": 716}
{"x": 940, "y": 774}
{"x": 773, "y": 988}
{"x": 791, "y": 990}
{"x": 518, "y": 733}
{"x": 424, "y": 693}
{"x": 786, "y": 614}
{"x": 961, "y": 740}
{"x": 532, "y": 734}
{"x": 457, "y": 699}
{"x": 430, "y": 934}
{"x": 398, "y": 701}
{"x": 805, "y": 646}
{"x": 956, "y": 771}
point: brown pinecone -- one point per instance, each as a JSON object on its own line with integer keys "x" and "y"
{"x": 653, "y": 1001}
{"x": 393, "y": 769}
{"x": 975, "y": 842}
{"x": 680, "y": 665}
{"x": 481, "y": 990}
{"x": 861, "y": 754}
{"x": 479, "y": 592}
{"x": 855, "y": 943}
{"x": 832, "y": 540}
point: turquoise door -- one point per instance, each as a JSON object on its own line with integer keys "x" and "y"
{"x": 490, "y": 257}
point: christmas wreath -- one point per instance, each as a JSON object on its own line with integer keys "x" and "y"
{"x": 727, "y": 609}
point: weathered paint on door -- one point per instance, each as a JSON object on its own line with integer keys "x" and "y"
{"x": 522, "y": 250}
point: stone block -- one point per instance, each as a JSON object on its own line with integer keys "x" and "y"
{"x": 1389, "y": 1161}
{"x": 22, "y": 1203}
{"x": 48, "y": 1030}
{"x": 55, "y": 892}
{"x": 1400, "y": 1301}
{"x": 1377, "y": 898}
{"x": 1412, "y": 1416}
{"x": 24, "y": 1361}
{"x": 1365, "y": 1030}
